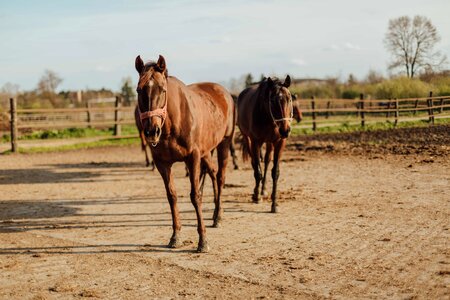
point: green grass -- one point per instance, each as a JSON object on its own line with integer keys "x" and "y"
{"x": 130, "y": 130}
{"x": 71, "y": 133}
{"x": 102, "y": 143}
{"x": 346, "y": 127}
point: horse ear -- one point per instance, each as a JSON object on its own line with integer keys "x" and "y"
{"x": 270, "y": 81}
{"x": 139, "y": 64}
{"x": 161, "y": 64}
{"x": 287, "y": 81}
{"x": 294, "y": 96}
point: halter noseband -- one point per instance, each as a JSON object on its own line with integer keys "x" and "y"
{"x": 159, "y": 112}
{"x": 282, "y": 119}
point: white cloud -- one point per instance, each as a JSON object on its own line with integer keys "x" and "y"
{"x": 332, "y": 47}
{"x": 351, "y": 46}
{"x": 299, "y": 61}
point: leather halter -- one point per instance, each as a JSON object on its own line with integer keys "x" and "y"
{"x": 282, "y": 119}
{"x": 159, "y": 112}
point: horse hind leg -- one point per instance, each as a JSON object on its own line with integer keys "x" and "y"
{"x": 210, "y": 168}
{"x": 233, "y": 155}
{"x": 222, "y": 160}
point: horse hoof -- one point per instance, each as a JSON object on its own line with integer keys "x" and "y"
{"x": 216, "y": 224}
{"x": 236, "y": 167}
{"x": 255, "y": 199}
{"x": 175, "y": 243}
{"x": 274, "y": 209}
{"x": 203, "y": 248}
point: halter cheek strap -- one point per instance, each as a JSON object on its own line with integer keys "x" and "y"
{"x": 285, "y": 118}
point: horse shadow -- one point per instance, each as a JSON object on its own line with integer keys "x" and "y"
{"x": 85, "y": 172}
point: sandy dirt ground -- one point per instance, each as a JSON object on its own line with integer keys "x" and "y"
{"x": 94, "y": 223}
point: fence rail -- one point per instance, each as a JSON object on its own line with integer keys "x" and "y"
{"x": 323, "y": 112}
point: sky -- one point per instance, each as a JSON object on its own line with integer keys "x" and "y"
{"x": 93, "y": 44}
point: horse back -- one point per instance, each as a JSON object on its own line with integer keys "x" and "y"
{"x": 216, "y": 106}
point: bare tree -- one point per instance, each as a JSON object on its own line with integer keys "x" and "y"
{"x": 127, "y": 91}
{"x": 373, "y": 77}
{"x": 47, "y": 85}
{"x": 412, "y": 42}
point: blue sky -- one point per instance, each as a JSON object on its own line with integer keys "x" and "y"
{"x": 94, "y": 43}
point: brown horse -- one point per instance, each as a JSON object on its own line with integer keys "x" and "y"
{"x": 144, "y": 144}
{"x": 184, "y": 123}
{"x": 264, "y": 117}
{"x": 297, "y": 112}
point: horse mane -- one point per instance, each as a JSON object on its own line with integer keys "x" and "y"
{"x": 148, "y": 72}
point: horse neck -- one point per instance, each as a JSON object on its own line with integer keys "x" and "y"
{"x": 261, "y": 111}
{"x": 175, "y": 99}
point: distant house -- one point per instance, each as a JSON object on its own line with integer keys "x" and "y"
{"x": 299, "y": 82}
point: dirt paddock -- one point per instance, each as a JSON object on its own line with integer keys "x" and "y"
{"x": 94, "y": 223}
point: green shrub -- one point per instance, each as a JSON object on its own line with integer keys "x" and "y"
{"x": 402, "y": 87}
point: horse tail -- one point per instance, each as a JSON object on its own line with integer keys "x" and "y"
{"x": 245, "y": 148}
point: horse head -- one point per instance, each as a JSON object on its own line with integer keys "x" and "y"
{"x": 297, "y": 112}
{"x": 152, "y": 97}
{"x": 280, "y": 104}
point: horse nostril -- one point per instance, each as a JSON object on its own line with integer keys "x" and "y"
{"x": 147, "y": 133}
{"x": 158, "y": 131}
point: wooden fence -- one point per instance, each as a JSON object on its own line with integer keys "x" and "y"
{"x": 332, "y": 112}
{"x": 316, "y": 112}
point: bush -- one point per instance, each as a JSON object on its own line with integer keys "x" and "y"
{"x": 402, "y": 87}
{"x": 350, "y": 93}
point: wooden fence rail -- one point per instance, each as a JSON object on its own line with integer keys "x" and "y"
{"x": 325, "y": 112}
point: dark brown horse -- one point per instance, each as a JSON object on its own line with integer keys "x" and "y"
{"x": 144, "y": 144}
{"x": 184, "y": 123}
{"x": 264, "y": 117}
{"x": 296, "y": 111}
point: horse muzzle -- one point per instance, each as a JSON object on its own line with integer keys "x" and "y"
{"x": 153, "y": 135}
{"x": 284, "y": 133}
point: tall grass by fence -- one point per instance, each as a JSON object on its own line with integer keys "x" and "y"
{"x": 329, "y": 112}
{"x": 316, "y": 112}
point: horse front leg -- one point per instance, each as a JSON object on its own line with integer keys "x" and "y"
{"x": 193, "y": 165}
{"x": 166, "y": 173}
{"x": 267, "y": 158}
{"x": 256, "y": 151}
{"x": 279, "y": 146}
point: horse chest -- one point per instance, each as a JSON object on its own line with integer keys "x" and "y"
{"x": 170, "y": 150}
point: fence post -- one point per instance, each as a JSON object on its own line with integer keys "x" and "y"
{"x": 415, "y": 106}
{"x": 430, "y": 109}
{"x": 328, "y": 110}
{"x": 396, "y": 111}
{"x": 313, "y": 108}
{"x": 388, "y": 113}
{"x": 117, "y": 126}
{"x": 361, "y": 101}
{"x": 441, "y": 104}
{"x": 14, "y": 132}
{"x": 88, "y": 111}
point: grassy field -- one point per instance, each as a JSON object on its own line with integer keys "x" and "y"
{"x": 106, "y": 137}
